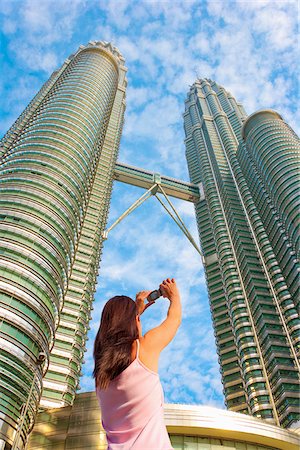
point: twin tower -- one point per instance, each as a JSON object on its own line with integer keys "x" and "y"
{"x": 57, "y": 166}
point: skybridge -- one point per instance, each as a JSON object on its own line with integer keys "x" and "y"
{"x": 161, "y": 187}
{"x": 145, "y": 179}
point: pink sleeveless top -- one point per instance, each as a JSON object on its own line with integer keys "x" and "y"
{"x": 132, "y": 410}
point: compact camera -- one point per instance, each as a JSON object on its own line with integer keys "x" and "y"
{"x": 154, "y": 295}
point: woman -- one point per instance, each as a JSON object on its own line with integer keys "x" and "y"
{"x": 126, "y": 366}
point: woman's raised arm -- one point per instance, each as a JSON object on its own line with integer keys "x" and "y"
{"x": 159, "y": 337}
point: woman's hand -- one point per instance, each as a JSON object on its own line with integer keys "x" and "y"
{"x": 140, "y": 299}
{"x": 169, "y": 289}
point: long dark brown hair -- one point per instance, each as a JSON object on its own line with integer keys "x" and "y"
{"x": 112, "y": 349}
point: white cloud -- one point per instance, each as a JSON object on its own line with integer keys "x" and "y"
{"x": 104, "y": 33}
{"x": 129, "y": 49}
{"x": 158, "y": 124}
{"x": 43, "y": 25}
{"x": 200, "y": 42}
{"x": 9, "y": 26}
{"x": 137, "y": 97}
{"x": 186, "y": 374}
{"x": 149, "y": 119}
{"x": 175, "y": 15}
{"x": 116, "y": 12}
{"x": 35, "y": 57}
{"x": 51, "y": 24}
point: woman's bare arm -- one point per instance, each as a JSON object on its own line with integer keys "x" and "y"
{"x": 158, "y": 338}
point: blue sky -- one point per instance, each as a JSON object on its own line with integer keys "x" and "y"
{"x": 249, "y": 47}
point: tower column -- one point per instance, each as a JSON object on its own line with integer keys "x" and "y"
{"x": 47, "y": 172}
{"x": 252, "y": 304}
{"x": 275, "y": 150}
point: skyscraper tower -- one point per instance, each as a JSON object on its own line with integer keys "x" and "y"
{"x": 269, "y": 159}
{"x": 56, "y": 172}
{"x": 249, "y": 255}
